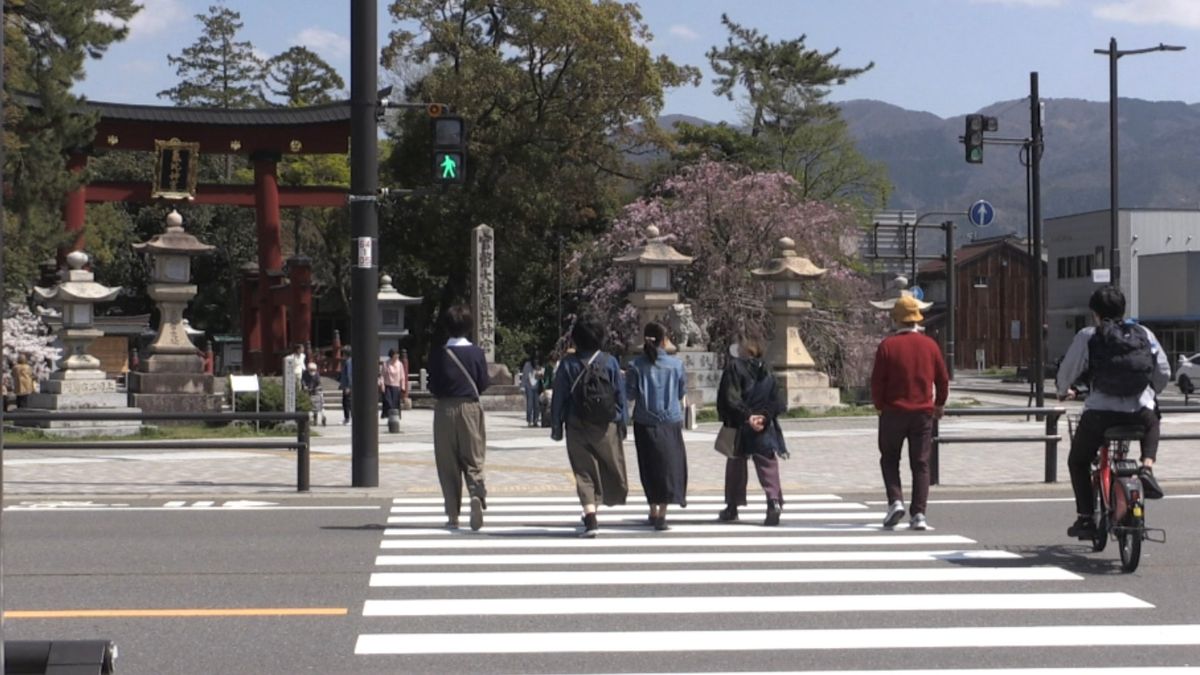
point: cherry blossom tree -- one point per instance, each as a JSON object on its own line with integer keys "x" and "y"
{"x": 730, "y": 220}
{"x": 25, "y": 333}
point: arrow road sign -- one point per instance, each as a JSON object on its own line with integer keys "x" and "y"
{"x": 981, "y": 213}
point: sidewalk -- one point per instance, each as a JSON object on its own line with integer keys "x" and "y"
{"x": 828, "y": 455}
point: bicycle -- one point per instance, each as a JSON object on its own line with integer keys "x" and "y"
{"x": 1119, "y": 499}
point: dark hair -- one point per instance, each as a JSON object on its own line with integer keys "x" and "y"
{"x": 1108, "y": 302}
{"x": 391, "y": 353}
{"x": 458, "y": 321}
{"x": 655, "y": 335}
{"x": 587, "y": 334}
{"x": 751, "y": 346}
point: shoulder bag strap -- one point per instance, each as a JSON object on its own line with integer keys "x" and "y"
{"x": 463, "y": 368}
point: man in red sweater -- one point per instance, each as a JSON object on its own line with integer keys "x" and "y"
{"x": 908, "y": 369}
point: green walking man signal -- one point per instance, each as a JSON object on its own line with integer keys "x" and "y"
{"x": 449, "y": 148}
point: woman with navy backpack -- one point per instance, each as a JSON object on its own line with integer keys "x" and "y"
{"x": 656, "y": 384}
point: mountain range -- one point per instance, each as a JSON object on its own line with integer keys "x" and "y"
{"x": 1159, "y": 157}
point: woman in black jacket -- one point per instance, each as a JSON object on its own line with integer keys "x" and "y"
{"x": 749, "y": 401}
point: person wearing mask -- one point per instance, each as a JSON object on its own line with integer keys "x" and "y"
{"x": 588, "y": 402}
{"x": 530, "y": 386}
{"x": 457, "y": 376}
{"x": 656, "y": 385}
{"x": 25, "y": 384}
{"x": 346, "y": 386}
{"x": 749, "y": 402}
{"x": 909, "y": 387}
{"x": 394, "y": 377}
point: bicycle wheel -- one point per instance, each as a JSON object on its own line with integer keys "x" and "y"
{"x": 1129, "y": 537}
{"x": 1100, "y": 538}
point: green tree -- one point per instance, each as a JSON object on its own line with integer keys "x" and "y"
{"x": 217, "y": 70}
{"x": 554, "y": 92}
{"x": 46, "y": 45}
{"x": 301, "y": 78}
{"x": 791, "y": 127}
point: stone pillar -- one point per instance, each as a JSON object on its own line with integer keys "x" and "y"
{"x": 483, "y": 300}
{"x": 272, "y": 314}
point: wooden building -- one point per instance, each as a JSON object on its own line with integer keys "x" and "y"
{"x": 994, "y": 281}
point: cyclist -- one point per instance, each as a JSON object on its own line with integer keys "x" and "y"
{"x": 1127, "y": 368}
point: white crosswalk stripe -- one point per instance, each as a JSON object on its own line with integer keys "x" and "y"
{"x": 445, "y": 594}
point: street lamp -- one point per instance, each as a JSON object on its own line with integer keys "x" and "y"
{"x": 1113, "y": 202}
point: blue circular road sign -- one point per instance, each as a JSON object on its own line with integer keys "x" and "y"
{"x": 917, "y": 292}
{"x": 981, "y": 213}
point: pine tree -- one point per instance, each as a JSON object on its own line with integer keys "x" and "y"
{"x": 301, "y": 78}
{"x": 217, "y": 70}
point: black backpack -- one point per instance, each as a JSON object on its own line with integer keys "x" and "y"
{"x": 594, "y": 394}
{"x": 1120, "y": 360}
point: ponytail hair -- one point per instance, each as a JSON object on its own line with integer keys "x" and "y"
{"x": 655, "y": 336}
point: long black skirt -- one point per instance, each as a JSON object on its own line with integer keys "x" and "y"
{"x": 662, "y": 462}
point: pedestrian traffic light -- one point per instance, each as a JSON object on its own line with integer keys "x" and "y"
{"x": 973, "y": 136}
{"x": 449, "y": 148}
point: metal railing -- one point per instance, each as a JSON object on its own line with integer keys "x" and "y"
{"x": 300, "y": 445}
{"x": 1051, "y": 438}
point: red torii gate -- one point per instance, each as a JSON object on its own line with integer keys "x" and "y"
{"x": 269, "y": 301}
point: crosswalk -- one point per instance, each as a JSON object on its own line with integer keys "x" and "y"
{"x": 526, "y": 594}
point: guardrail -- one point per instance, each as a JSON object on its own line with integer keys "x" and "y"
{"x": 1051, "y": 438}
{"x": 300, "y": 445}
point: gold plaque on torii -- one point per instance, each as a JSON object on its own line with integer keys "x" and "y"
{"x": 176, "y": 164}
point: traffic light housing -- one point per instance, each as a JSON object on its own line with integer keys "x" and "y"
{"x": 449, "y": 147}
{"x": 973, "y": 136}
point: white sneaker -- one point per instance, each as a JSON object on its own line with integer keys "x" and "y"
{"x": 918, "y": 522}
{"x": 894, "y": 513}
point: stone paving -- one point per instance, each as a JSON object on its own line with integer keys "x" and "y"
{"x": 828, "y": 455}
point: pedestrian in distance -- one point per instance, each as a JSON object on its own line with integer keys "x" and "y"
{"x": 909, "y": 386}
{"x": 346, "y": 386}
{"x": 588, "y": 403}
{"x": 311, "y": 381}
{"x": 25, "y": 383}
{"x": 1127, "y": 369}
{"x": 655, "y": 386}
{"x": 749, "y": 403}
{"x": 393, "y": 376}
{"x": 530, "y": 386}
{"x": 457, "y": 376}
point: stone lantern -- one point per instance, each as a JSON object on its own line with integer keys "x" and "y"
{"x": 392, "y": 304}
{"x": 899, "y": 288}
{"x": 804, "y": 385}
{"x": 172, "y": 377}
{"x": 652, "y": 263}
{"x": 80, "y": 383}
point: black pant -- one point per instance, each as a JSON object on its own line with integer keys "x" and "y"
{"x": 1089, "y": 436}
{"x": 346, "y": 407}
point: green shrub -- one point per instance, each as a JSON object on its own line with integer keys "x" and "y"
{"x": 270, "y": 398}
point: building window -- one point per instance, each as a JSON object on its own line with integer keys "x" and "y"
{"x": 1071, "y": 273}
{"x": 1099, "y": 257}
{"x": 1062, "y": 268}
{"x": 980, "y": 282}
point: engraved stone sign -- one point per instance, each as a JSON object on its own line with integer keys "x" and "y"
{"x": 483, "y": 290}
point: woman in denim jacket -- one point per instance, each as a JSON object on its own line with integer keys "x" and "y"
{"x": 657, "y": 384}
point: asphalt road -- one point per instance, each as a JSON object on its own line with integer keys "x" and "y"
{"x": 299, "y": 586}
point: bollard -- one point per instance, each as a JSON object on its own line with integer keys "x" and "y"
{"x": 393, "y": 421}
{"x": 689, "y": 417}
{"x": 59, "y": 657}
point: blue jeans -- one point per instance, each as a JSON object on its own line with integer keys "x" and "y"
{"x": 533, "y": 410}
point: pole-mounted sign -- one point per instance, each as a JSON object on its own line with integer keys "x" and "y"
{"x": 981, "y": 213}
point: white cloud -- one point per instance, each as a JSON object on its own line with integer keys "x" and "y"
{"x": 155, "y": 16}
{"x": 325, "y": 42}
{"x": 1184, "y": 13}
{"x": 681, "y": 31}
{"x": 1026, "y": 3}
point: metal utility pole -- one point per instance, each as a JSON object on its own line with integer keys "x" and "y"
{"x": 1035, "y": 209}
{"x": 951, "y": 296}
{"x": 1114, "y": 182}
{"x": 364, "y": 232}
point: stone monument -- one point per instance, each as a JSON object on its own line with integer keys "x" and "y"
{"x": 172, "y": 377}
{"x": 503, "y": 394}
{"x": 803, "y": 384}
{"x": 79, "y": 384}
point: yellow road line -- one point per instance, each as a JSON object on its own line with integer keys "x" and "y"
{"x": 172, "y": 613}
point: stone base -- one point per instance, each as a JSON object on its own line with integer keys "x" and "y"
{"x": 499, "y": 375}
{"x": 808, "y": 389}
{"x": 69, "y": 402}
{"x": 508, "y": 398}
{"x": 83, "y": 428}
{"x": 703, "y": 375}
{"x": 173, "y": 363}
{"x": 177, "y": 403}
{"x": 172, "y": 383}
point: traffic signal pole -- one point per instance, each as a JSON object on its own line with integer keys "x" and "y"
{"x": 364, "y": 232}
{"x": 1035, "y": 192}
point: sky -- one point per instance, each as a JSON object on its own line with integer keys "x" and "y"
{"x": 947, "y": 57}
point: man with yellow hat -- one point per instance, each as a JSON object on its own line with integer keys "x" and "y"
{"x": 909, "y": 386}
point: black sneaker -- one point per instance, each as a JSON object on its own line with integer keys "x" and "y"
{"x": 728, "y": 515}
{"x": 660, "y": 524}
{"x": 1150, "y": 486}
{"x": 591, "y": 528}
{"x": 774, "y": 511}
{"x": 1084, "y": 528}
